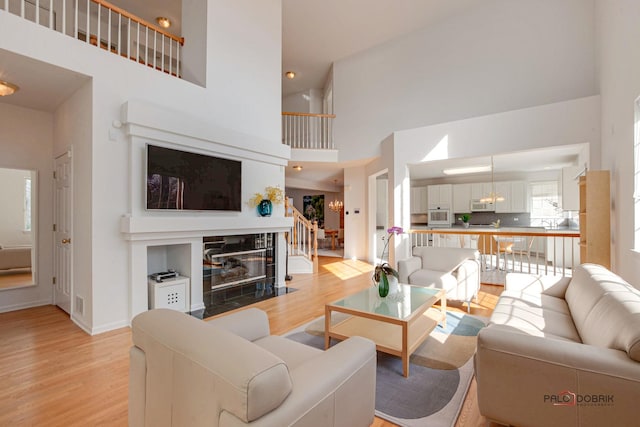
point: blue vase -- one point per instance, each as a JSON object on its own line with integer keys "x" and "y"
{"x": 265, "y": 207}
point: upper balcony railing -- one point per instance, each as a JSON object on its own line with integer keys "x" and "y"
{"x": 106, "y": 26}
{"x": 308, "y": 131}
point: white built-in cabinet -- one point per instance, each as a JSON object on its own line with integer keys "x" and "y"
{"x": 570, "y": 188}
{"x": 461, "y": 198}
{"x": 515, "y": 197}
{"x": 419, "y": 200}
{"x": 480, "y": 190}
{"x": 439, "y": 196}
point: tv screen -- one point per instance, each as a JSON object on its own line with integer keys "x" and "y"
{"x": 180, "y": 180}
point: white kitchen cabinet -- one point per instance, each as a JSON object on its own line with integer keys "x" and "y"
{"x": 515, "y": 197}
{"x": 439, "y": 196}
{"x": 461, "y": 198}
{"x": 519, "y": 197}
{"x": 480, "y": 190}
{"x": 570, "y": 188}
{"x": 419, "y": 200}
{"x": 503, "y": 189}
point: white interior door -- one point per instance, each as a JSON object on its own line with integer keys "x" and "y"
{"x": 62, "y": 226}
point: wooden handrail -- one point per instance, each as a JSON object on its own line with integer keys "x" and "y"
{"x": 139, "y": 20}
{"x": 330, "y": 116}
{"x": 497, "y": 232}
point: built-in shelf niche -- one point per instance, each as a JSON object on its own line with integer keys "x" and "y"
{"x": 165, "y": 257}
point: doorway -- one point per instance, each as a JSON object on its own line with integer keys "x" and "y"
{"x": 62, "y": 231}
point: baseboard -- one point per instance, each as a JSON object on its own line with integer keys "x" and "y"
{"x": 109, "y": 327}
{"x": 22, "y": 306}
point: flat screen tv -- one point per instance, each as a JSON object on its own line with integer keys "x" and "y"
{"x": 181, "y": 180}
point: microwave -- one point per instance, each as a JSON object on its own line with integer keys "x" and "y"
{"x": 439, "y": 217}
{"x": 478, "y": 206}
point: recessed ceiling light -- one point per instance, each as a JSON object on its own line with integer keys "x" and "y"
{"x": 290, "y": 75}
{"x": 7, "y": 88}
{"x": 468, "y": 169}
{"x": 163, "y": 22}
{"x": 298, "y": 168}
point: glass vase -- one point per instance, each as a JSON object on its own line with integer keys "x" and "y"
{"x": 265, "y": 207}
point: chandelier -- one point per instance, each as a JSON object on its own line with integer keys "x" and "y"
{"x": 336, "y": 205}
{"x": 492, "y": 197}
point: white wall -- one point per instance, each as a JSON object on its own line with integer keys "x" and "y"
{"x": 309, "y": 101}
{"x": 501, "y": 55}
{"x": 12, "y": 197}
{"x": 26, "y": 143}
{"x": 242, "y": 97}
{"x": 619, "y": 77}
{"x": 356, "y": 213}
{"x": 72, "y": 131}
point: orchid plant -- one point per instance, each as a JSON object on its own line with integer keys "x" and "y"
{"x": 383, "y": 270}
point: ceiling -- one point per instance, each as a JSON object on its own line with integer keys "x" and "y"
{"x": 42, "y": 86}
{"x": 315, "y": 34}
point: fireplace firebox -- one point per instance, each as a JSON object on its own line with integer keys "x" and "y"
{"x": 235, "y": 266}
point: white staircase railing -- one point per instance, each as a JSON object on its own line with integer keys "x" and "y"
{"x": 303, "y": 239}
{"x": 106, "y": 26}
{"x": 308, "y": 131}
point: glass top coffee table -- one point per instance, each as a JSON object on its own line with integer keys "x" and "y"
{"x": 398, "y": 324}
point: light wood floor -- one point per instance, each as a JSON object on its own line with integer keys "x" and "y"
{"x": 54, "y": 374}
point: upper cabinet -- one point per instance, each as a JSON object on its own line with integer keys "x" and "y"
{"x": 440, "y": 196}
{"x": 480, "y": 190}
{"x": 570, "y": 188}
{"x": 515, "y": 197}
{"x": 419, "y": 199}
{"x": 461, "y": 198}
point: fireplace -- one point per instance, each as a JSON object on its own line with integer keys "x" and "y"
{"x": 237, "y": 266}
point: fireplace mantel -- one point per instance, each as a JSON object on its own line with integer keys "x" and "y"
{"x": 159, "y": 228}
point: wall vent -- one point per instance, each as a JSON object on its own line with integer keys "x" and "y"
{"x": 79, "y": 308}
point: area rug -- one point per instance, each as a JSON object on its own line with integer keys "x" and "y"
{"x": 440, "y": 372}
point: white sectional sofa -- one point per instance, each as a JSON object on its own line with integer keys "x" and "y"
{"x": 456, "y": 270}
{"x": 232, "y": 372}
{"x": 562, "y": 351}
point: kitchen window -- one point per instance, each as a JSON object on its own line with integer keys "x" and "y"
{"x": 544, "y": 203}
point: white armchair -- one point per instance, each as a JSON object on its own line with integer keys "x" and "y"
{"x": 456, "y": 270}
{"x": 232, "y": 372}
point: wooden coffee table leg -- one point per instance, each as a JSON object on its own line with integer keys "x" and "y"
{"x": 327, "y": 323}
{"x": 405, "y": 349}
{"x": 443, "y": 309}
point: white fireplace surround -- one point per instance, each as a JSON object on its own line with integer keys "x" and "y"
{"x": 174, "y": 239}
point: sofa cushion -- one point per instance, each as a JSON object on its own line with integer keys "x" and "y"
{"x": 541, "y": 315}
{"x": 433, "y": 278}
{"x": 606, "y": 309}
{"x": 443, "y": 259}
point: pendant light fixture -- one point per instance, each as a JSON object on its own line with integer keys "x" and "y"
{"x": 7, "y": 88}
{"x": 492, "y": 197}
{"x": 336, "y": 205}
